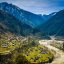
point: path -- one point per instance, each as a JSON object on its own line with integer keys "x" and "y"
{"x": 59, "y": 57}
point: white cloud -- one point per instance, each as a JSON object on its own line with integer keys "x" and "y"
{"x": 38, "y": 6}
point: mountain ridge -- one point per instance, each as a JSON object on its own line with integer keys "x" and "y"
{"x": 9, "y": 23}
{"x": 54, "y": 26}
{"x": 27, "y": 17}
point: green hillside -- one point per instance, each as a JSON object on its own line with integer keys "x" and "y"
{"x": 17, "y": 50}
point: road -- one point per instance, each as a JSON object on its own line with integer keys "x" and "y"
{"x": 59, "y": 56}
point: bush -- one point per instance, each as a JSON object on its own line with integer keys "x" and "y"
{"x": 21, "y": 59}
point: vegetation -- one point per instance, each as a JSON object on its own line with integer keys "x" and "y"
{"x": 54, "y": 26}
{"x": 22, "y": 50}
{"x": 58, "y": 44}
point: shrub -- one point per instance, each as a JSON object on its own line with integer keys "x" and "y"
{"x": 21, "y": 59}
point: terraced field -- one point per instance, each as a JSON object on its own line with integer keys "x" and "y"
{"x": 16, "y": 50}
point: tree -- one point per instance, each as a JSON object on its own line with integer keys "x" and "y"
{"x": 21, "y": 59}
{"x": 63, "y": 46}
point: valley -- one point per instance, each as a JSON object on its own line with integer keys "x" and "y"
{"x": 29, "y": 38}
{"x": 31, "y": 49}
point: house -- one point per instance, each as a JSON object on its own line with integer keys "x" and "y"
{"x": 5, "y": 45}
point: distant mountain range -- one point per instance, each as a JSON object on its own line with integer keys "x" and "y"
{"x": 24, "y": 16}
{"x": 47, "y": 17}
{"x": 55, "y": 25}
{"x": 18, "y": 21}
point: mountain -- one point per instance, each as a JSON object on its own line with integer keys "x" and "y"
{"x": 9, "y": 23}
{"x": 55, "y": 25}
{"x": 24, "y": 16}
{"x": 47, "y": 17}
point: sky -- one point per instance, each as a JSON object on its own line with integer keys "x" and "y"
{"x": 38, "y": 6}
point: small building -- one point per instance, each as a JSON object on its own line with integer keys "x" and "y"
{"x": 5, "y": 45}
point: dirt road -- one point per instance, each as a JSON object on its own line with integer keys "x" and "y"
{"x": 59, "y": 56}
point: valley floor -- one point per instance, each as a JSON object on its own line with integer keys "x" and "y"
{"x": 59, "y": 55}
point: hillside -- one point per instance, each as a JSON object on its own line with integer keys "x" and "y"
{"x": 21, "y": 50}
{"x": 55, "y": 25}
{"x": 8, "y": 23}
{"x": 24, "y": 16}
{"x": 47, "y": 17}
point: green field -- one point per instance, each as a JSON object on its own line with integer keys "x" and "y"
{"x": 23, "y": 52}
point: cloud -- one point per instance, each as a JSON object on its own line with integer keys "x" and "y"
{"x": 38, "y": 6}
